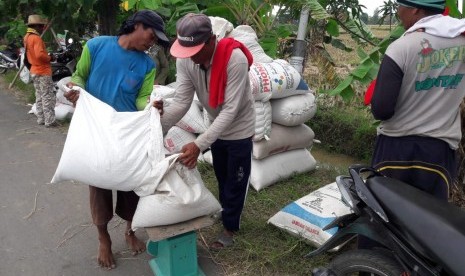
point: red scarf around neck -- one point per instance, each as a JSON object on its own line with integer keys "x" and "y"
{"x": 219, "y": 72}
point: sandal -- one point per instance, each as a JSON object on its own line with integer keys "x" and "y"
{"x": 222, "y": 242}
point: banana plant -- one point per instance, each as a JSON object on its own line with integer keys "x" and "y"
{"x": 171, "y": 10}
{"x": 261, "y": 15}
{"x": 368, "y": 67}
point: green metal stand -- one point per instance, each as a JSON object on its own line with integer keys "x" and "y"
{"x": 175, "y": 256}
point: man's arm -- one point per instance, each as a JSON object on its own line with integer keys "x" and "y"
{"x": 387, "y": 89}
{"x": 237, "y": 77}
{"x": 40, "y": 52}
{"x": 145, "y": 90}
{"x": 82, "y": 69}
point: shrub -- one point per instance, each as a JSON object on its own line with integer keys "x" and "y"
{"x": 349, "y": 131}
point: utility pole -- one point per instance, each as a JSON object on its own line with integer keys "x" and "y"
{"x": 300, "y": 45}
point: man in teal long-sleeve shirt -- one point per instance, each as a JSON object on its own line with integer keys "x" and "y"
{"x": 116, "y": 70}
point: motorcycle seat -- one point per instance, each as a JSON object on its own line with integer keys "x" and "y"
{"x": 10, "y": 54}
{"x": 435, "y": 225}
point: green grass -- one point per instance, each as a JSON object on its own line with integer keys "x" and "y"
{"x": 349, "y": 131}
{"x": 24, "y": 92}
{"x": 260, "y": 248}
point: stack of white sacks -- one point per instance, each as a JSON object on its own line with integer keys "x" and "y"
{"x": 283, "y": 103}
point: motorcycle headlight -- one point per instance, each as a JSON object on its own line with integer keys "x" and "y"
{"x": 344, "y": 183}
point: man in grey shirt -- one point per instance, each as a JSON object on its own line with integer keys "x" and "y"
{"x": 218, "y": 73}
{"x": 417, "y": 96}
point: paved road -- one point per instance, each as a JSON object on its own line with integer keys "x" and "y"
{"x": 45, "y": 229}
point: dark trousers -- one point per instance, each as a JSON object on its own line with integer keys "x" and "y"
{"x": 424, "y": 162}
{"x": 101, "y": 205}
{"x": 232, "y": 160}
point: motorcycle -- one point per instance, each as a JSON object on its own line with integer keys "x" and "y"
{"x": 65, "y": 60}
{"x": 10, "y": 57}
{"x": 417, "y": 233}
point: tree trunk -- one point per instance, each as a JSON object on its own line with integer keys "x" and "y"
{"x": 107, "y": 10}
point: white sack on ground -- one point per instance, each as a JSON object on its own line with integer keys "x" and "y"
{"x": 206, "y": 157}
{"x": 248, "y": 37}
{"x": 262, "y": 120}
{"x": 220, "y": 26}
{"x": 274, "y": 80}
{"x": 272, "y": 169}
{"x": 293, "y": 110}
{"x": 109, "y": 149}
{"x": 62, "y": 111}
{"x": 283, "y": 139}
{"x": 307, "y": 216}
{"x": 180, "y": 196}
{"x": 176, "y": 138}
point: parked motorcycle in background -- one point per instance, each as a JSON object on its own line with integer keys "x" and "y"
{"x": 10, "y": 57}
{"x": 65, "y": 60}
{"x": 417, "y": 233}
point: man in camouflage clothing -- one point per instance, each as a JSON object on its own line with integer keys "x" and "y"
{"x": 41, "y": 71}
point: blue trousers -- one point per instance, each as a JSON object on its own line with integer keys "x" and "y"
{"x": 232, "y": 160}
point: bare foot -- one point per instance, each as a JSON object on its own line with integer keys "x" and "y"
{"x": 136, "y": 245}
{"x": 105, "y": 256}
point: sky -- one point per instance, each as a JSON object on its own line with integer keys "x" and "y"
{"x": 371, "y": 5}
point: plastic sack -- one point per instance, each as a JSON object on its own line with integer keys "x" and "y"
{"x": 247, "y": 36}
{"x": 24, "y": 75}
{"x": 221, "y": 27}
{"x": 274, "y": 168}
{"x": 61, "y": 90}
{"x": 176, "y": 138}
{"x": 180, "y": 196}
{"x": 262, "y": 120}
{"x": 307, "y": 216}
{"x": 62, "y": 111}
{"x": 283, "y": 139}
{"x": 275, "y": 80}
{"x": 193, "y": 121}
{"x": 293, "y": 110}
{"x": 109, "y": 149}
